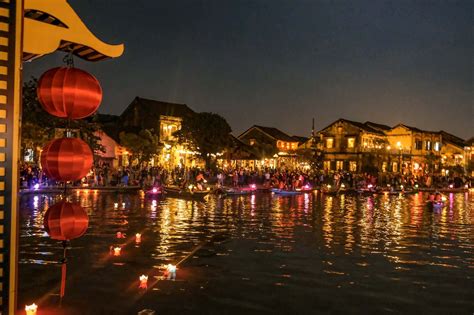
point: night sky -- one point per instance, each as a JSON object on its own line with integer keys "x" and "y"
{"x": 281, "y": 63}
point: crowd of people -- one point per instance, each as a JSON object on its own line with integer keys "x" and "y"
{"x": 101, "y": 175}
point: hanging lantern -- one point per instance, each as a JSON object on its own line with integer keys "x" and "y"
{"x": 66, "y": 159}
{"x": 65, "y": 221}
{"x": 69, "y": 93}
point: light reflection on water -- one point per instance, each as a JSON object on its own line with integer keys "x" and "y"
{"x": 259, "y": 253}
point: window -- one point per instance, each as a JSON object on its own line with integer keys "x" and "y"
{"x": 437, "y": 146}
{"x": 428, "y": 145}
{"x": 327, "y": 165}
{"x": 351, "y": 142}
{"x": 418, "y": 144}
{"x": 395, "y": 167}
{"x": 353, "y": 166}
{"x": 339, "y": 165}
{"x": 329, "y": 143}
{"x": 384, "y": 167}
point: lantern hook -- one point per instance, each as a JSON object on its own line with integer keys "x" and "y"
{"x": 69, "y": 58}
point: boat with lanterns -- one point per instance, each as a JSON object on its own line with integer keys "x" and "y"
{"x": 154, "y": 191}
{"x": 191, "y": 192}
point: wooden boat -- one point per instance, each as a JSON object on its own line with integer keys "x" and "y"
{"x": 434, "y": 205}
{"x": 237, "y": 191}
{"x": 284, "y": 192}
{"x": 178, "y": 192}
{"x": 155, "y": 191}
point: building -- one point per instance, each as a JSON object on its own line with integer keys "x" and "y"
{"x": 238, "y": 155}
{"x": 274, "y": 147}
{"x": 162, "y": 117}
{"x": 455, "y": 152}
{"x": 352, "y": 146}
{"x": 413, "y": 150}
{"x": 358, "y": 147}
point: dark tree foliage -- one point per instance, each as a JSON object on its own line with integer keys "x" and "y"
{"x": 38, "y": 127}
{"x": 206, "y": 133}
{"x": 143, "y": 145}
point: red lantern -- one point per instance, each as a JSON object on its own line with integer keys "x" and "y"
{"x": 66, "y": 159}
{"x": 69, "y": 93}
{"x": 65, "y": 221}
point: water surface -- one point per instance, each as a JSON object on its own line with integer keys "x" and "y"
{"x": 260, "y": 254}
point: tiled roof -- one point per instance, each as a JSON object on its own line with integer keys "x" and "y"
{"x": 144, "y": 113}
{"x": 275, "y": 133}
{"x": 359, "y": 125}
{"x": 453, "y": 139}
{"x": 377, "y": 126}
{"x": 300, "y": 139}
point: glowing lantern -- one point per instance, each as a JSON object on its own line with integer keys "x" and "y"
{"x": 123, "y": 204}
{"x": 116, "y": 205}
{"x": 69, "y": 93}
{"x": 117, "y": 251}
{"x": 120, "y": 235}
{"x": 65, "y": 221}
{"x": 138, "y": 238}
{"x": 31, "y": 309}
{"x": 171, "y": 272}
{"x": 66, "y": 159}
{"x": 143, "y": 282}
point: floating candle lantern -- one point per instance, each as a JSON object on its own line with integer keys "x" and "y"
{"x": 123, "y": 204}
{"x": 120, "y": 235}
{"x": 343, "y": 186}
{"x": 117, "y": 251}
{"x": 451, "y": 186}
{"x": 143, "y": 282}
{"x": 171, "y": 272}
{"x": 138, "y": 238}
{"x": 31, "y": 309}
{"x": 116, "y": 205}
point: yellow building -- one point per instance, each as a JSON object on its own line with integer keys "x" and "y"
{"x": 352, "y": 146}
{"x": 417, "y": 150}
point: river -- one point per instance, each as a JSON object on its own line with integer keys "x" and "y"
{"x": 259, "y": 254}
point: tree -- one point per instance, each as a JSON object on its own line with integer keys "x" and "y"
{"x": 38, "y": 127}
{"x": 206, "y": 133}
{"x": 143, "y": 145}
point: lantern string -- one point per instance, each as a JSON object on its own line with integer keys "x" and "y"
{"x": 69, "y": 59}
{"x": 63, "y": 273}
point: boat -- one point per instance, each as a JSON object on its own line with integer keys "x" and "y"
{"x": 284, "y": 192}
{"x": 155, "y": 191}
{"x": 190, "y": 193}
{"x": 434, "y": 205}
{"x": 238, "y": 191}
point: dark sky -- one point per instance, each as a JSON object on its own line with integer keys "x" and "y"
{"x": 280, "y": 63}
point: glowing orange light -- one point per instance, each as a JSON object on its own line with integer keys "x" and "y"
{"x": 143, "y": 282}
{"x": 138, "y": 238}
{"x": 31, "y": 309}
{"x": 117, "y": 251}
{"x": 120, "y": 235}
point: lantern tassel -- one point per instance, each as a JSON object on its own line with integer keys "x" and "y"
{"x": 63, "y": 280}
{"x": 63, "y": 272}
